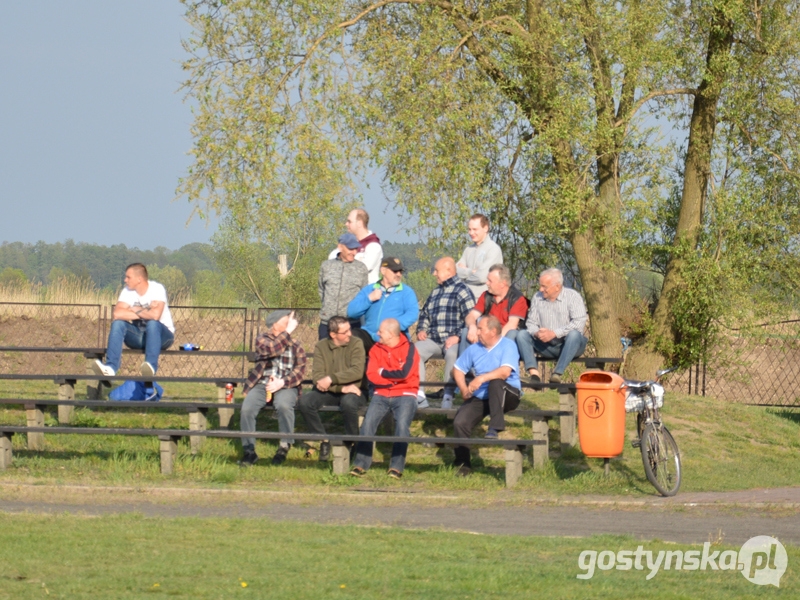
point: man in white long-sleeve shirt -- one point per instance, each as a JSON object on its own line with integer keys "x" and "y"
{"x": 370, "y": 251}
{"x": 479, "y": 256}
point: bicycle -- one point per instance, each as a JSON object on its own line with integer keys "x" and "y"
{"x": 660, "y": 454}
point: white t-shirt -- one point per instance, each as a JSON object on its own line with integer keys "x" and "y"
{"x": 155, "y": 291}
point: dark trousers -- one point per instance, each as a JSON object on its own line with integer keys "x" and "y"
{"x": 313, "y": 400}
{"x": 502, "y": 398}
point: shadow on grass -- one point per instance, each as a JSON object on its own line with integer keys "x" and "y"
{"x": 786, "y": 413}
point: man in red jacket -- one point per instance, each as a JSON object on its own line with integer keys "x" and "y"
{"x": 393, "y": 369}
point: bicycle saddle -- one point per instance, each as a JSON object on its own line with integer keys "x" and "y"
{"x": 637, "y": 386}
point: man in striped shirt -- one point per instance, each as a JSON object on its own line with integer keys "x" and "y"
{"x": 440, "y": 323}
{"x": 555, "y": 325}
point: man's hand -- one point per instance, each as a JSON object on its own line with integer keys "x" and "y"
{"x": 324, "y": 384}
{"x": 375, "y": 295}
{"x": 422, "y": 335}
{"x": 472, "y": 334}
{"x": 292, "y": 323}
{"x": 351, "y": 388}
{"x": 545, "y": 335}
{"x": 466, "y": 393}
{"x": 275, "y": 384}
{"x": 451, "y": 341}
{"x": 475, "y": 384}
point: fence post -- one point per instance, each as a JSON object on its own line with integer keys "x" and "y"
{"x": 66, "y": 391}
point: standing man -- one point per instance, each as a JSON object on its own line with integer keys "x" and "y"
{"x": 370, "y": 251}
{"x": 555, "y": 326}
{"x": 336, "y": 376}
{"x": 387, "y": 298}
{"x": 482, "y": 253}
{"x": 340, "y": 279}
{"x": 440, "y": 323}
{"x": 494, "y": 391}
{"x": 393, "y": 371}
{"x": 276, "y": 377}
{"x": 141, "y": 320}
{"x": 502, "y": 300}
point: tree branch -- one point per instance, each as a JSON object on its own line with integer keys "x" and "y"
{"x": 643, "y": 100}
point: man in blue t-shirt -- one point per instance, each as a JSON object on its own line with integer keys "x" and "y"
{"x": 494, "y": 391}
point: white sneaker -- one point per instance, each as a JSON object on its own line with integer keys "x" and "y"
{"x": 147, "y": 369}
{"x": 447, "y": 402}
{"x": 101, "y": 369}
{"x": 422, "y": 401}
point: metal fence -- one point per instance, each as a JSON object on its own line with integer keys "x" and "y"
{"x": 754, "y": 367}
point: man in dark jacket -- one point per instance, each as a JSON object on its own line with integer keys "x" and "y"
{"x": 336, "y": 375}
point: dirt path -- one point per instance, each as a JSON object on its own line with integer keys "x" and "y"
{"x": 690, "y": 518}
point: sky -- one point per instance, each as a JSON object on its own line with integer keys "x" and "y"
{"x": 94, "y": 132}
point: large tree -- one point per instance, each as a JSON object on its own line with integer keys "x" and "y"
{"x": 540, "y": 113}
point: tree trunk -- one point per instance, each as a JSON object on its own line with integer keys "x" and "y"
{"x": 696, "y": 173}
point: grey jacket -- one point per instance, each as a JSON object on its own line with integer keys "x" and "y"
{"x": 339, "y": 282}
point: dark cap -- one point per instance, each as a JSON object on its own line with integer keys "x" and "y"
{"x": 393, "y": 264}
{"x": 275, "y": 316}
{"x": 348, "y": 240}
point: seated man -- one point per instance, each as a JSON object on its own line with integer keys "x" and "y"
{"x": 501, "y": 300}
{"x": 554, "y": 327}
{"x": 388, "y": 298}
{"x": 336, "y": 376}
{"x": 440, "y": 322}
{"x": 394, "y": 372}
{"x": 141, "y": 320}
{"x": 276, "y": 377}
{"x": 494, "y": 391}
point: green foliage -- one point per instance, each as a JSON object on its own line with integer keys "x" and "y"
{"x": 13, "y": 278}
{"x": 422, "y": 282}
{"x": 540, "y": 114}
{"x": 172, "y": 278}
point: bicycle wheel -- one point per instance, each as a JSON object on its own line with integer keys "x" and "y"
{"x": 662, "y": 461}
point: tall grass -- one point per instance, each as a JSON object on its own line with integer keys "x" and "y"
{"x": 74, "y": 290}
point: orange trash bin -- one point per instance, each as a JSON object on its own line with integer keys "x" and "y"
{"x": 601, "y": 414}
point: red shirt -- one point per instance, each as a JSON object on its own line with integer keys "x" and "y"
{"x": 394, "y": 371}
{"x": 500, "y": 310}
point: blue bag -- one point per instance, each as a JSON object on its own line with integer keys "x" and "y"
{"x": 136, "y": 391}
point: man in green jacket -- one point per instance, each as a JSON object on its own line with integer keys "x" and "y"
{"x": 337, "y": 373}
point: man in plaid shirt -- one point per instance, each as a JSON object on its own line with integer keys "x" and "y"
{"x": 440, "y": 323}
{"x": 279, "y": 370}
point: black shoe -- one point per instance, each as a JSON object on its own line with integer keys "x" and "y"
{"x": 555, "y": 378}
{"x": 533, "y": 378}
{"x": 249, "y": 459}
{"x": 280, "y": 455}
{"x": 464, "y": 471}
{"x": 324, "y": 451}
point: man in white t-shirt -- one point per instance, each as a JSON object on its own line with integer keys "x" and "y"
{"x": 141, "y": 320}
{"x": 370, "y": 251}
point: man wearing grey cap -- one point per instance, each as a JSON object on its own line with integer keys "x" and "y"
{"x": 340, "y": 279}
{"x": 276, "y": 377}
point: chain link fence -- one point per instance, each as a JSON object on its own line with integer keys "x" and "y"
{"x": 754, "y": 367}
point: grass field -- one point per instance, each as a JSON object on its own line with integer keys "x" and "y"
{"x": 724, "y": 447}
{"x": 68, "y": 556}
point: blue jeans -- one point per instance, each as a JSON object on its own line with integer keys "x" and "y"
{"x": 564, "y": 349}
{"x": 153, "y": 336}
{"x": 284, "y": 401}
{"x": 403, "y": 408}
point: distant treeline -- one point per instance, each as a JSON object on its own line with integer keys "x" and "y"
{"x": 105, "y": 265}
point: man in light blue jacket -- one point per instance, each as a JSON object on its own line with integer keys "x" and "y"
{"x": 388, "y": 298}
